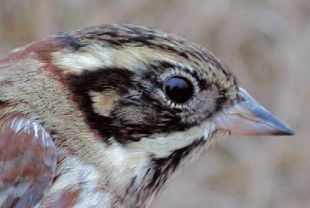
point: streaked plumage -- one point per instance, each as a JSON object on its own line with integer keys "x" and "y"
{"x": 123, "y": 107}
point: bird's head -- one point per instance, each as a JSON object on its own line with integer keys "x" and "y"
{"x": 156, "y": 94}
{"x": 135, "y": 84}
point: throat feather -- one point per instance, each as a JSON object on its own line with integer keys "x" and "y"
{"x": 160, "y": 171}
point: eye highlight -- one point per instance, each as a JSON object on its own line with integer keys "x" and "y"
{"x": 178, "y": 89}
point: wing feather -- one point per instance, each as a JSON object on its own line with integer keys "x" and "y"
{"x": 27, "y": 161}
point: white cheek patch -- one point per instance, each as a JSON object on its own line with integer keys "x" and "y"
{"x": 162, "y": 145}
{"x": 118, "y": 161}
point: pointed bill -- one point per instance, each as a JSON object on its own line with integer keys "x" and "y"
{"x": 246, "y": 116}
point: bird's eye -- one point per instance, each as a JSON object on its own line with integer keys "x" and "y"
{"x": 178, "y": 89}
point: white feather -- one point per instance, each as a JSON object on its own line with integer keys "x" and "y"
{"x": 25, "y": 125}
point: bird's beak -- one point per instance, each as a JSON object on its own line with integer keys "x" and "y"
{"x": 246, "y": 116}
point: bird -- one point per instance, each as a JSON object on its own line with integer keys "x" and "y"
{"x": 106, "y": 115}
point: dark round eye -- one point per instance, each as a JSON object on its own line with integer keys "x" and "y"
{"x": 178, "y": 89}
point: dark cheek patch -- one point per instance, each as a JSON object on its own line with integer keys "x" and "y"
{"x": 116, "y": 106}
{"x": 97, "y": 93}
{"x": 131, "y": 115}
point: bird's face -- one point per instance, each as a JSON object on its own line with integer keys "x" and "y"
{"x": 154, "y": 92}
{"x": 154, "y": 97}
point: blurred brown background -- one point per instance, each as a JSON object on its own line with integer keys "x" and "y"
{"x": 267, "y": 45}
